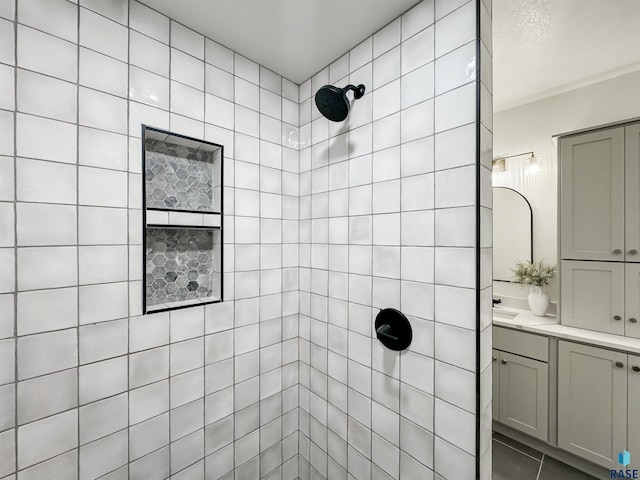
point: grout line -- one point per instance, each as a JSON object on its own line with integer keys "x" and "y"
{"x": 77, "y": 215}
{"x": 515, "y": 449}
{"x": 540, "y": 468}
{"x": 15, "y": 237}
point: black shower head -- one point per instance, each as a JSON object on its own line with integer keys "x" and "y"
{"x": 333, "y": 102}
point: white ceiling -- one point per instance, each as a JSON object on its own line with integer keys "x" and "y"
{"x": 540, "y": 47}
{"x": 545, "y": 47}
{"x": 294, "y": 38}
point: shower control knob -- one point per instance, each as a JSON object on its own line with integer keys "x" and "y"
{"x": 393, "y": 329}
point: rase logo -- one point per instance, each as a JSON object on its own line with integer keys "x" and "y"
{"x": 624, "y": 459}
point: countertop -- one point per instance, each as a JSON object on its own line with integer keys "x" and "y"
{"x": 549, "y": 326}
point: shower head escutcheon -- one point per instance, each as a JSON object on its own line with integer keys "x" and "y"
{"x": 333, "y": 102}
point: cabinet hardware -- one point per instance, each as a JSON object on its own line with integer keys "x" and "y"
{"x": 617, "y": 317}
{"x": 635, "y": 368}
{"x": 617, "y": 251}
{"x": 633, "y": 251}
{"x": 633, "y": 320}
{"x": 619, "y": 364}
{"x": 503, "y": 361}
{"x": 495, "y": 358}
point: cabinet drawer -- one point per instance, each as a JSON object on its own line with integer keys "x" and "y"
{"x": 521, "y": 343}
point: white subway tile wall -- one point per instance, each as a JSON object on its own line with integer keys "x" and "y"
{"x": 102, "y": 390}
{"x": 325, "y": 223}
{"x": 486, "y": 229}
{"x": 388, "y": 219}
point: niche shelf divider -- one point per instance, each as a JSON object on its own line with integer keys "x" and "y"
{"x": 182, "y": 221}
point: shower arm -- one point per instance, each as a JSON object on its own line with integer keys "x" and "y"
{"x": 358, "y": 91}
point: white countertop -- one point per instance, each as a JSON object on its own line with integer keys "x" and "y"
{"x": 549, "y": 326}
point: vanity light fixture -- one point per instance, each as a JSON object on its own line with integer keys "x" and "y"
{"x": 499, "y": 165}
{"x": 532, "y": 166}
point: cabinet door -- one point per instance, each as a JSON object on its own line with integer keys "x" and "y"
{"x": 592, "y": 402}
{"x": 496, "y": 384}
{"x": 632, "y": 299}
{"x": 592, "y": 296}
{"x": 633, "y": 408}
{"x": 592, "y": 196}
{"x": 632, "y": 192}
{"x": 524, "y": 394}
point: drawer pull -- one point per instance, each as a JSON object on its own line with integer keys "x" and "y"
{"x": 617, "y": 317}
{"x": 633, "y": 320}
{"x": 617, "y": 251}
{"x": 619, "y": 364}
{"x": 633, "y": 251}
{"x": 503, "y": 361}
{"x": 635, "y": 368}
{"x": 495, "y": 358}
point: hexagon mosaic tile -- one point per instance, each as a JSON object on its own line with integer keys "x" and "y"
{"x": 178, "y": 177}
{"x": 179, "y": 264}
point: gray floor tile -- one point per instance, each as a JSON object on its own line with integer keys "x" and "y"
{"x": 509, "y": 464}
{"x": 517, "y": 445}
{"x": 553, "y": 469}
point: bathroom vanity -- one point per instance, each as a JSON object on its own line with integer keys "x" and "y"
{"x": 571, "y": 382}
{"x": 571, "y": 388}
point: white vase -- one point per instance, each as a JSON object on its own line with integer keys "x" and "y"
{"x": 538, "y": 301}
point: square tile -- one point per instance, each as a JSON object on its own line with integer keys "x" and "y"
{"x": 147, "y": 53}
{"x": 455, "y": 29}
{"x": 47, "y": 353}
{"x": 148, "y": 21}
{"x": 8, "y": 262}
{"x": 57, "y": 17}
{"x": 6, "y": 141}
{"x": 219, "y": 56}
{"x": 103, "y": 302}
{"x": 45, "y": 139}
{"x": 60, "y": 390}
{"x": 7, "y": 179}
{"x": 60, "y": 263}
{"x": 101, "y": 187}
{"x": 187, "y": 40}
{"x": 187, "y": 69}
{"x": 149, "y": 88}
{"x": 47, "y": 438}
{"x": 46, "y": 96}
{"x": 47, "y": 54}
{"x": 418, "y": 50}
{"x": 100, "y": 110}
{"x": 103, "y": 35}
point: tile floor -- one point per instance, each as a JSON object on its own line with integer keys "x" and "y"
{"x": 515, "y": 461}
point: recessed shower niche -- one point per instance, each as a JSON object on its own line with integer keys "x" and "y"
{"x": 182, "y": 237}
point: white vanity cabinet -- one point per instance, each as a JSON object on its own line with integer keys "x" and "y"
{"x": 520, "y": 381}
{"x": 601, "y": 296}
{"x": 633, "y": 406}
{"x": 600, "y": 195}
{"x": 600, "y": 230}
{"x": 598, "y": 402}
{"x": 632, "y": 300}
{"x": 592, "y": 195}
{"x": 593, "y": 295}
{"x": 632, "y": 192}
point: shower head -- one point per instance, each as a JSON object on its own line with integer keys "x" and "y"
{"x": 333, "y": 102}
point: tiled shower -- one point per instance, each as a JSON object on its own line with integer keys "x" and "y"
{"x": 324, "y": 224}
